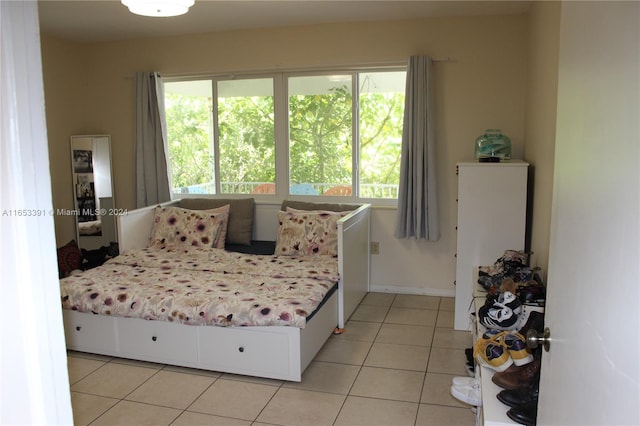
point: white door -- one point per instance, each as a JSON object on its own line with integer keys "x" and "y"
{"x": 34, "y": 384}
{"x": 591, "y": 375}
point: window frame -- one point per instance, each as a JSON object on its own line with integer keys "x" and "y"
{"x": 216, "y": 131}
{"x": 354, "y": 124}
{"x": 281, "y": 129}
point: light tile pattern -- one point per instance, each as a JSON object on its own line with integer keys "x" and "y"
{"x": 393, "y": 366}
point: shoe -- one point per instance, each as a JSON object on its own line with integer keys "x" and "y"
{"x": 492, "y": 270}
{"x": 471, "y": 395}
{"x": 531, "y": 293}
{"x": 471, "y": 371}
{"x": 522, "y": 274}
{"x": 518, "y": 377}
{"x": 517, "y": 257}
{"x": 516, "y": 345}
{"x": 490, "y": 333}
{"x": 508, "y": 285}
{"x": 470, "y": 365}
{"x": 489, "y": 283}
{"x": 512, "y": 265}
{"x": 509, "y": 300}
{"x": 465, "y": 381}
{"x": 469, "y": 354}
{"x": 525, "y": 415}
{"x": 498, "y": 318}
{"x": 504, "y": 299}
{"x": 492, "y": 354}
{"x": 530, "y": 320}
{"x": 510, "y": 259}
{"x": 519, "y": 397}
{"x": 493, "y": 283}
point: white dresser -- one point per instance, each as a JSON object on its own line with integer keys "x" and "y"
{"x": 492, "y": 210}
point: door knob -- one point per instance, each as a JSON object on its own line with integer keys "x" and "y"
{"x": 534, "y": 339}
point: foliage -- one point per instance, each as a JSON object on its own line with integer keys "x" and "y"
{"x": 381, "y": 116}
{"x": 247, "y": 140}
{"x": 188, "y": 139}
{"x": 320, "y": 139}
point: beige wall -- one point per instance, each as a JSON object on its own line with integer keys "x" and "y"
{"x": 65, "y": 84}
{"x": 89, "y": 89}
{"x": 540, "y": 122}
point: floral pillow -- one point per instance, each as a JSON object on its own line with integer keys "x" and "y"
{"x": 174, "y": 225}
{"x": 308, "y": 232}
{"x": 222, "y": 235}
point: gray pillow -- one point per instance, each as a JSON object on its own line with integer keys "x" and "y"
{"x": 241, "y": 213}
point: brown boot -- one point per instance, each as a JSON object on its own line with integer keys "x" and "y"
{"x": 518, "y": 377}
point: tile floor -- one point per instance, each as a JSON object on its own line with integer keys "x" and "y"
{"x": 392, "y": 367}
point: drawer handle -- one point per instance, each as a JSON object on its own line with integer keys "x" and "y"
{"x": 78, "y": 328}
{"x": 154, "y": 338}
{"x": 241, "y": 349}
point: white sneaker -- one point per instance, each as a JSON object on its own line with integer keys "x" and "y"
{"x": 468, "y": 394}
{"x": 465, "y": 381}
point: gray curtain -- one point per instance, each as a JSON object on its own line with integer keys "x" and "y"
{"x": 417, "y": 203}
{"x": 152, "y": 180}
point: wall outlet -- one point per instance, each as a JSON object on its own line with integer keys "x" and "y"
{"x": 375, "y": 247}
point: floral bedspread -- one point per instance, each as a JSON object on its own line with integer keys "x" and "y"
{"x": 204, "y": 286}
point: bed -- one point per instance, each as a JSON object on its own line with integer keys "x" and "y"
{"x": 277, "y": 339}
{"x": 92, "y": 227}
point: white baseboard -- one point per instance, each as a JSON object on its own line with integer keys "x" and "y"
{"x": 412, "y": 290}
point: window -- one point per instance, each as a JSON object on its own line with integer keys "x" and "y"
{"x": 245, "y": 122}
{"x": 188, "y": 109}
{"x": 332, "y": 134}
{"x": 320, "y": 133}
{"x": 381, "y": 111}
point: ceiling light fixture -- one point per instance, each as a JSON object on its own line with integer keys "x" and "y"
{"x": 158, "y": 8}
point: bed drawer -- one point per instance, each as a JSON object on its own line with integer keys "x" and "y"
{"x": 157, "y": 341}
{"x": 251, "y": 351}
{"x": 90, "y": 333}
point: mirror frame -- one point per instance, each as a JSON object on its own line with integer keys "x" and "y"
{"x": 93, "y": 191}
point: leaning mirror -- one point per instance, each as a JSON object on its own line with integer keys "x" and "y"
{"x": 93, "y": 191}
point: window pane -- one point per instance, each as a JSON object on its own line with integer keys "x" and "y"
{"x": 190, "y": 136}
{"x": 238, "y": 156}
{"x": 246, "y": 135}
{"x": 320, "y": 123}
{"x": 381, "y": 115}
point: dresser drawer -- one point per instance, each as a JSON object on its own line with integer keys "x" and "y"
{"x": 157, "y": 341}
{"x": 246, "y": 351}
{"x": 91, "y": 333}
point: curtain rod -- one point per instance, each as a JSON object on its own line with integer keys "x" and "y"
{"x": 279, "y": 68}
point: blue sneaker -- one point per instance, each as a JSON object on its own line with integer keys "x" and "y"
{"x": 490, "y": 333}
{"x": 516, "y": 345}
{"x": 492, "y": 354}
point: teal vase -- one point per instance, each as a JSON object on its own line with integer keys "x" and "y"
{"x": 493, "y": 144}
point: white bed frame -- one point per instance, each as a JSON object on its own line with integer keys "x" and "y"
{"x": 271, "y": 352}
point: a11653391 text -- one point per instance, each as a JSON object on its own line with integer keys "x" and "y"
{"x": 63, "y": 212}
